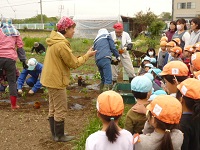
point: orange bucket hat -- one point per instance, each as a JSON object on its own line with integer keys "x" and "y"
{"x": 195, "y": 60}
{"x": 171, "y": 44}
{"x": 197, "y": 74}
{"x": 164, "y": 38}
{"x": 163, "y": 43}
{"x": 189, "y": 48}
{"x": 110, "y": 103}
{"x": 176, "y": 68}
{"x": 166, "y": 109}
{"x": 176, "y": 49}
{"x": 190, "y": 88}
{"x": 197, "y": 46}
{"x": 177, "y": 41}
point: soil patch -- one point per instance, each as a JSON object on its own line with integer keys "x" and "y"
{"x": 28, "y": 128}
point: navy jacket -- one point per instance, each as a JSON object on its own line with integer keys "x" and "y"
{"x": 105, "y": 47}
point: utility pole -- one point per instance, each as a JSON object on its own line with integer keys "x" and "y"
{"x": 172, "y": 9}
{"x": 41, "y": 11}
{"x": 60, "y": 10}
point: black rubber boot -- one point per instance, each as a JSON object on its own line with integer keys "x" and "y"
{"x": 59, "y": 132}
{"x": 51, "y": 123}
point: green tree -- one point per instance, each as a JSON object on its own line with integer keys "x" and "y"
{"x": 142, "y": 21}
{"x": 166, "y": 16}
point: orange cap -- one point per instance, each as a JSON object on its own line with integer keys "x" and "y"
{"x": 110, "y": 103}
{"x": 171, "y": 43}
{"x": 197, "y": 46}
{"x": 166, "y": 109}
{"x": 176, "y": 68}
{"x": 195, "y": 60}
{"x": 197, "y": 74}
{"x": 176, "y": 49}
{"x": 177, "y": 40}
{"x": 164, "y": 38}
{"x": 190, "y": 88}
{"x": 189, "y": 48}
{"x": 163, "y": 43}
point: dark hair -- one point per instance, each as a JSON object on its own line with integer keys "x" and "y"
{"x": 196, "y": 21}
{"x": 139, "y": 95}
{"x": 182, "y": 21}
{"x": 64, "y": 31}
{"x": 170, "y": 78}
{"x": 112, "y": 131}
{"x": 191, "y": 104}
{"x": 166, "y": 141}
{"x": 174, "y": 23}
{"x": 151, "y": 49}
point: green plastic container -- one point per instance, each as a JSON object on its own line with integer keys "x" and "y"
{"x": 124, "y": 89}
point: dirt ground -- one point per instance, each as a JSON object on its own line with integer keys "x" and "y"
{"x": 28, "y": 128}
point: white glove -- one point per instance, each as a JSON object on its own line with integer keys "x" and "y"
{"x": 20, "y": 91}
{"x": 31, "y": 92}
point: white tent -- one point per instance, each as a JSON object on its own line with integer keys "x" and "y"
{"x": 88, "y": 26}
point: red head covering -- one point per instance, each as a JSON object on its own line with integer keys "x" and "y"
{"x": 64, "y": 23}
{"x": 118, "y": 26}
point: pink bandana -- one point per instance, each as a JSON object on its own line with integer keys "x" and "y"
{"x": 118, "y": 26}
{"x": 64, "y": 23}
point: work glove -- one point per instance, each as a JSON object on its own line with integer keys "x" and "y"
{"x": 25, "y": 66}
{"x": 129, "y": 46}
{"x": 20, "y": 91}
{"x": 114, "y": 62}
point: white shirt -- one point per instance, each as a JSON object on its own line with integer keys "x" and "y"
{"x": 99, "y": 141}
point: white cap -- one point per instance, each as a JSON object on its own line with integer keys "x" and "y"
{"x": 32, "y": 62}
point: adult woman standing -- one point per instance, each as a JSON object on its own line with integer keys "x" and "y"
{"x": 182, "y": 33}
{"x": 171, "y": 31}
{"x": 195, "y": 27}
{"x": 10, "y": 40}
{"x": 56, "y": 74}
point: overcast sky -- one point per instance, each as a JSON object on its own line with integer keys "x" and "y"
{"x": 21, "y": 9}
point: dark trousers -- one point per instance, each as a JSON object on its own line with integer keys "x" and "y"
{"x": 9, "y": 66}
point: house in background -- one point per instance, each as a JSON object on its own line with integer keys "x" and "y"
{"x": 186, "y": 9}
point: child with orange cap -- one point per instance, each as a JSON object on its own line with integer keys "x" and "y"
{"x": 141, "y": 87}
{"x": 186, "y": 57}
{"x": 161, "y": 54}
{"x": 195, "y": 65}
{"x": 189, "y": 95}
{"x": 197, "y": 75}
{"x": 175, "y": 53}
{"x": 110, "y": 107}
{"x": 173, "y": 73}
{"x": 168, "y": 56}
{"x": 197, "y": 47}
{"x": 164, "y": 114}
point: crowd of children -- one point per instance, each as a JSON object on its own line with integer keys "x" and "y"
{"x": 166, "y": 115}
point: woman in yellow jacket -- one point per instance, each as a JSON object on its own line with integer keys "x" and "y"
{"x": 56, "y": 74}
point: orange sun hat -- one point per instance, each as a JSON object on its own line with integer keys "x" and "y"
{"x": 163, "y": 43}
{"x": 197, "y": 74}
{"x": 164, "y": 38}
{"x": 195, "y": 59}
{"x": 166, "y": 109}
{"x": 176, "y": 68}
{"x": 189, "y": 48}
{"x": 171, "y": 44}
{"x": 197, "y": 46}
{"x": 176, "y": 49}
{"x": 190, "y": 88}
{"x": 177, "y": 41}
{"x": 110, "y": 103}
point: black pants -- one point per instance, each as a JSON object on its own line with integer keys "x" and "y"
{"x": 9, "y": 66}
